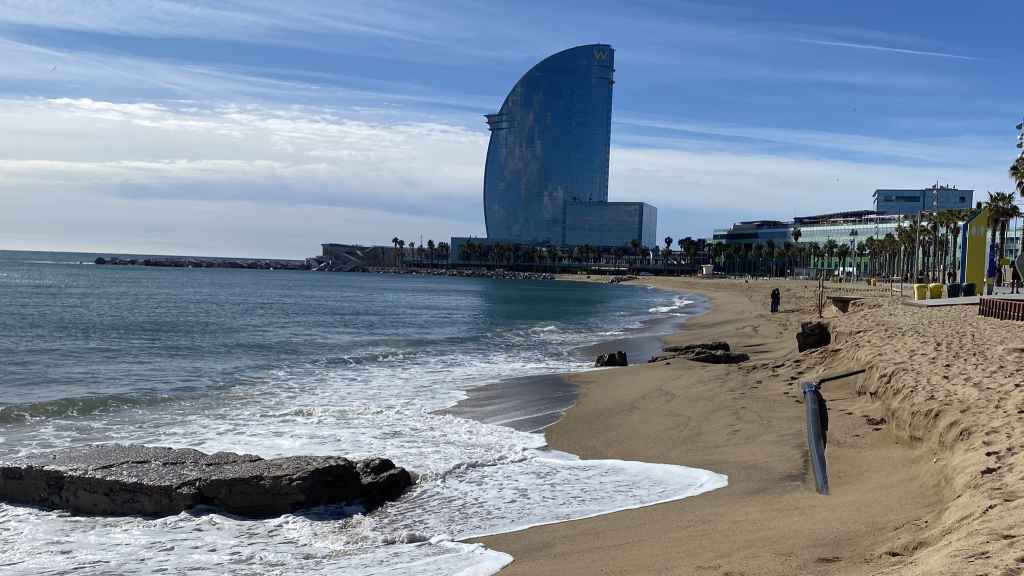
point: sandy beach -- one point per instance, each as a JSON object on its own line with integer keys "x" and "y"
{"x": 924, "y": 448}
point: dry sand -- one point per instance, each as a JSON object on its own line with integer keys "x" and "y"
{"x": 924, "y": 449}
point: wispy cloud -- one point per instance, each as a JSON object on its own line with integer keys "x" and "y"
{"x": 246, "y": 21}
{"x": 879, "y": 48}
{"x": 962, "y": 150}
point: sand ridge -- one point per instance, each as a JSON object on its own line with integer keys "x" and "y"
{"x": 924, "y": 448}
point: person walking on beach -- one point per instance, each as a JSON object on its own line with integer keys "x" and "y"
{"x": 776, "y": 299}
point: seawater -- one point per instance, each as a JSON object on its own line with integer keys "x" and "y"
{"x": 282, "y": 363}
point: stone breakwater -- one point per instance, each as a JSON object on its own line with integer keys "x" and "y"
{"x": 127, "y": 480}
{"x": 467, "y": 273}
{"x": 188, "y": 262}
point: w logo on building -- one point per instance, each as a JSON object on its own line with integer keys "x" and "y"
{"x": 600, "y": 55}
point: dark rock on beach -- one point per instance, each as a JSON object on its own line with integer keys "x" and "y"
{"x": 723, "y": 346}
{"x": 613, "y": 359}
{"x": 708, "y": 353}
{"x": 120, "y": 480}
{"x": 716, "y": 357}
{"x": 813, "y": 334}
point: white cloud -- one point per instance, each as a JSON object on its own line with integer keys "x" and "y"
{"x": 285, "y": 155}
{"x": 177, "y": 177}
{"x": 75, "y": 220}
{"x": 706, "y": 189}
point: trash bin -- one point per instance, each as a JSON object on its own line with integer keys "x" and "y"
{"x": 920, "y": 291}
{"x": 953, "y": 290}
{"x": 934, "y": 291}
{"x": 969, "y": 289}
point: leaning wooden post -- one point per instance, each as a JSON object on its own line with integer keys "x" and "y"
{"x": 814, "y": 404}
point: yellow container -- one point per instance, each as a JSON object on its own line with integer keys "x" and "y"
{"x": 920, "y": 291}
{"x": 934, "y": 291}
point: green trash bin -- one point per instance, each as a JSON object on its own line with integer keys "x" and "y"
{"x": 969, "y": 289}
{"x": 953, "y": 290}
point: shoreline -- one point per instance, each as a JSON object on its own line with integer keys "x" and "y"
{"x": 746, "y": 422}
{"x": 533, "y": 403}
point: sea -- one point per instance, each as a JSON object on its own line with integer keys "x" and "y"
{"x": 279, "y": 363}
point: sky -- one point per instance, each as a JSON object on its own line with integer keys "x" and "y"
{"x": 263, "y": 128}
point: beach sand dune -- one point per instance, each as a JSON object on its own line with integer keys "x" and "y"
{"x": 924, "y": 448}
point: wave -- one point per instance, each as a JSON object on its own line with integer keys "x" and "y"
{"x": 80, "y": 406}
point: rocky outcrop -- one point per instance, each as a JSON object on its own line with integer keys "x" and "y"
{"x": 716, "y": 357}
{"x": 723, "y": 346}
{"x": 120, "y": 480}
{"x": 813, "y": 334}
{"x": 708, "y": 353}
{"x": 613, "y": 359}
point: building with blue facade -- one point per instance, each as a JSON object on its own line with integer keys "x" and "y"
{"x": 546, "y": 177}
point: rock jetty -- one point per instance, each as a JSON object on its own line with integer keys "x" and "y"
{"x": 464, "y": 273}
{"x": 131, "y": 480}
{"x": 189, "y": 262}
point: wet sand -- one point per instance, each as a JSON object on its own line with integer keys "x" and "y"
{"x": 905, "y": 497}
{"x": 532, "y": 403}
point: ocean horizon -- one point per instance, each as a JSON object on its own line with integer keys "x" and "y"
{"x": 279, "y": 363}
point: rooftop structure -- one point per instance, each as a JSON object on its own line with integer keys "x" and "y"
{"x": 934, "y": 199}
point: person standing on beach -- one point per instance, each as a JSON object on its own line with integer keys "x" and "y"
{"x": 776, "y": 300}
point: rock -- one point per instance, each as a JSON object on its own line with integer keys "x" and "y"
{"x": 709, "y": 353}
{"x": 724, "y": 346}
{"x": 382, "y": 481}
{"x": 120, "y": 480}
{"x": 613, "y": 359}
{"x": 101, "y": 261}
{"x": 813, "y": 334}
{"x": 716, "y": 356}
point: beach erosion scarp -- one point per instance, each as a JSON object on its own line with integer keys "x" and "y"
{"x": 923, "y": 454}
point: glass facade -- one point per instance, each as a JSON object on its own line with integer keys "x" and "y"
{"x": 908, "y": 202}
{"x": 547, "y": 160}
{"x": 611, "y": 224}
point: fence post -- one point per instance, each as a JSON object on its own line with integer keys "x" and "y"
{"x": 817, "y": 419}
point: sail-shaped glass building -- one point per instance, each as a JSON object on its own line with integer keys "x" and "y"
{"x": 546, "y": 177}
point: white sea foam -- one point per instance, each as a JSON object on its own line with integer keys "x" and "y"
{"x": 678, "y": 302}
{"x": 475, "y": 479}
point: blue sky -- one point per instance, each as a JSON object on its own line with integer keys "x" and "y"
{"x": 264, "y": 128}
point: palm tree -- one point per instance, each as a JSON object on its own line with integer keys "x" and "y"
{"x": 1002, "y": 209}
{"x": 430, "y": 251}
{"x": 830, "y": 250}
{"x": 955, "y": 218}
{"x": 797, "y": 233}
{"x": 861, "y": 251}
{"x": 1017, "y": 174}
{"x": 815, "y": 250}
{"x": 842, "y": 252}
